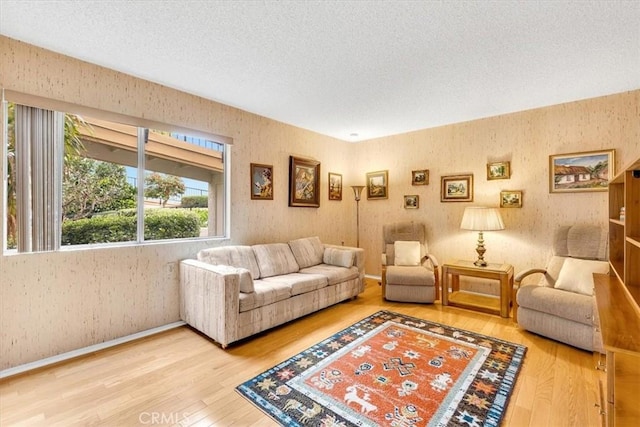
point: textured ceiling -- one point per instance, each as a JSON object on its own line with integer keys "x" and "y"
{"x": 373, "y": 68}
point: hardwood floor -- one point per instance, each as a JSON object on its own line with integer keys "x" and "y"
{"x": 182, "y": 378}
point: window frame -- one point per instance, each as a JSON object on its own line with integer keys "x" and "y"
{"x": 141, "y": 124}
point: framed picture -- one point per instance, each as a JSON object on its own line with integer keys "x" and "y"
{"x": 261, "y": 182}
{"x": 335, "y": 186}
{"x": 498, "y": 170}
{"x": 580, "y": 172}
{"x": 420, "y": 177}
{"x": 510, "y": 199}
{"x": 377, "y": 185}
{"x": 411, "y": 202}
{"x": 304, "y": 182}
{"x": 456, "y": 188}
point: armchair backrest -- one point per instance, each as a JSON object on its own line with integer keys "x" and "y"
{"x": 405, "y": 231}
{"x": 581, "y": 241}
{"x": 576, "y": 241}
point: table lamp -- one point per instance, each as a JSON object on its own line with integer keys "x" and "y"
{"x": 479, "y": 218}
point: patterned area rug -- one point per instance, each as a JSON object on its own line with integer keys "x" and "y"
{"x": 392, "y": 370}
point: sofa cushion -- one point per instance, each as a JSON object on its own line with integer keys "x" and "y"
{"x": 300, "y": 283}
{"x": 235, "y": 256}
{"x": 556, "y": 302}
{"x": 576, "y": 275}
{"x": 265, "y": 293}
{"x": 406, "y": 253}
{"x": 275, "y": 259}
{"x": 338, "y": 257}
{"x": 308, "y": 251}
{"x": 333, "y": 273}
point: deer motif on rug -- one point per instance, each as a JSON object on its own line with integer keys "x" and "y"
{"x": 352, "y": 397}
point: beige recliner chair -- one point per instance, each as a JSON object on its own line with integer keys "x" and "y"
{"x": 561, "y": 305}
{"x": 409, "y": 272}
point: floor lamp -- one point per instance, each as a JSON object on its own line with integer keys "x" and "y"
{"x": 357, "y": 190}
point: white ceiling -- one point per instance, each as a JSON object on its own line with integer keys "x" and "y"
{"x": 373, "y": 68}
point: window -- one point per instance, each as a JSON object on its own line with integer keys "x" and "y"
{"x": 78, "y": 180}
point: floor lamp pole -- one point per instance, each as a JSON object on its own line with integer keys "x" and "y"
{"x": 357, "y": 190}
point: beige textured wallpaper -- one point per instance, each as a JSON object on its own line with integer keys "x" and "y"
{"x": 51, "y": 303}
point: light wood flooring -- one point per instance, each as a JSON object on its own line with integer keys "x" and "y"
{"x": 181, "y": 378}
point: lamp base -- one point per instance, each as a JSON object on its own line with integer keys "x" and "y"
{"x": 480, "y": 249}
{"x": 481, "y": 263}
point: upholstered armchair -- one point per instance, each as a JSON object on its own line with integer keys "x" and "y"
{"x": 561, "y": 305}
{"x": 409, "y": 272}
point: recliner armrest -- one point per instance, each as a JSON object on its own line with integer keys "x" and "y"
{"x": 520, "y": 276}
{"x": 432, "y": 259}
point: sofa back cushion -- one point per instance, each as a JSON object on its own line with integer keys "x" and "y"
{"x": 308, "y": 251}
{"x": 338, "y": 257}
{"x": 235, "y": 256}
{"x": 275, "y": 259}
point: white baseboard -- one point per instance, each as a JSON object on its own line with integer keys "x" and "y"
{"x": 86, "y": 350}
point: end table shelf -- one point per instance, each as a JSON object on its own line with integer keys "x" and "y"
{"x": 451, "y": 272}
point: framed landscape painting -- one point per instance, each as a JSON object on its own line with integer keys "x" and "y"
{"x": 304, "y": 182}
{"x": 420, "y": 177}
{"x": 499, "y": 170}
{"x": 377, "y": 185}
{"x": 580, "y": 172}
{"x": 456, "y": 188}
{"x": 261, "y": 182}
{"x": 510, "y": 199}
{"x": 335, "y": 186}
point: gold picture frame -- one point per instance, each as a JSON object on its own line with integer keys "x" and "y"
{"x": 510, "y": 199}
{"x": 411, "y": 201}
{"x": 420, "y": 177}
{"x": 581, "y": 172}
{"x": 498, "y": 170}
{"x": 378, "y": 185}
{"x": 456, "y": 188}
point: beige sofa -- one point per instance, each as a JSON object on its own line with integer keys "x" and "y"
{"x": 232, "y": 292}
{"x": 561, "y": 305}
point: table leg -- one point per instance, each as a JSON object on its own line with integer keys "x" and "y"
{"x": 505, "y": 295}
{"x": 455, "y": 282}
{"x": 445, "y": 286}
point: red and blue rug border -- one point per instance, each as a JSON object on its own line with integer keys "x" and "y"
{"x": 492, "y": 417}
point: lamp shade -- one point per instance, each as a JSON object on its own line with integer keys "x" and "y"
{"x": 478, "y": 218}
{"x": 357, "y": 189}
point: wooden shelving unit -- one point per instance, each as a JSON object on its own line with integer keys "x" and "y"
{"x": 618, "y": 302}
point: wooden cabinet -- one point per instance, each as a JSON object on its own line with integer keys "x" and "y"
{"x": 618, "y": 302}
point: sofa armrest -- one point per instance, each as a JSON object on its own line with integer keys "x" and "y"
{"x": 210, "y": 300}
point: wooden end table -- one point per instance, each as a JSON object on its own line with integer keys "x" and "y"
{"x": 451, "y": 272}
